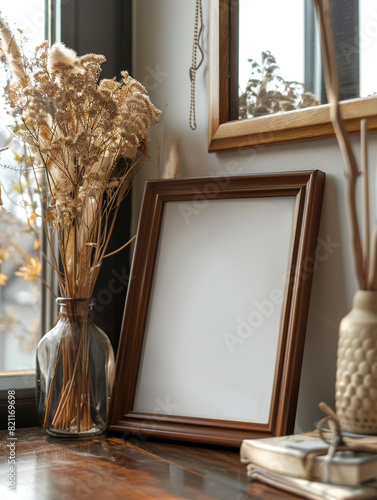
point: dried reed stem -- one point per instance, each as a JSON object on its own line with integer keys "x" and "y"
{"x": 373, "y": 264}
{"x": 74, "y": 406}
{"x": 365, "y": 170}
{"x": 352, "y": 172}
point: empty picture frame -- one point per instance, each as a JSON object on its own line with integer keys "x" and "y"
{"x": 216, "y": 311}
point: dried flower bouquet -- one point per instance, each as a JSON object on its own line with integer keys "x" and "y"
{"x": 87, "y": 136}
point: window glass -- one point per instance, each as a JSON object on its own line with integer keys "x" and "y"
{"x": 282, "y": 36}
{"x": 368, "y": 46}
{"x": 20, "y": 223}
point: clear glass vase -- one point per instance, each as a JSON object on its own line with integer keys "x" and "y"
{"x": 74, "y": 373}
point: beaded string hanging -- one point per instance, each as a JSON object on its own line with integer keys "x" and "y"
{"x": 198, "y": 30}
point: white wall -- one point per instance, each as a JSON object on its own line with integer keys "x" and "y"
{"x": 163, "y": 34}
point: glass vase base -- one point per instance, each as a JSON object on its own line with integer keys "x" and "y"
{"x": 72, "y": 434}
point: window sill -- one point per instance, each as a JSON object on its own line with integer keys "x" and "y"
{"x": 26, "y": 410}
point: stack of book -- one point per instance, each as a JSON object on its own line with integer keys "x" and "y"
{"x": 280, "y": 462}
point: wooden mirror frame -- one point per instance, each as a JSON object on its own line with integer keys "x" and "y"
{"x": 290, "y": 126}
{"x": 305, "y": 189}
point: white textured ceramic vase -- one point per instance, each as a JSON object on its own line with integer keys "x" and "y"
{"x": 356, "y": 375}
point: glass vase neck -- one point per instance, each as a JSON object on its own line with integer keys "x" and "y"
{"x": 74, "y": 307}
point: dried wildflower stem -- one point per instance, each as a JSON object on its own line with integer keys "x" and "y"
{"x": 119, "y": 249}
{"x": 352, "y": 172}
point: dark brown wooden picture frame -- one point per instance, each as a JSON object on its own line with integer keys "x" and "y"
{"x": 226, "y": 133}
{"x": 302, "y": 193}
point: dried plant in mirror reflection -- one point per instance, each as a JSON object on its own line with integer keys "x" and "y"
{"x": 267, "y": 92}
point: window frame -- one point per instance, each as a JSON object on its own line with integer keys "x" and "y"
{"x": 20, "y": 380}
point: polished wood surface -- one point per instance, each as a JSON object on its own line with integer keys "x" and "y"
{"x": 112, "y": 468}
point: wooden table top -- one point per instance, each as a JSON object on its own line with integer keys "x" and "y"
{"x": 109, "y": 467}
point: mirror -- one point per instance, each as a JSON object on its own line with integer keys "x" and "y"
{"x": 274, "y": 90}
